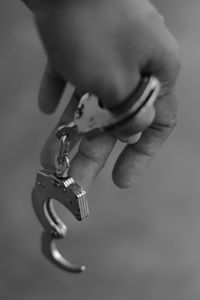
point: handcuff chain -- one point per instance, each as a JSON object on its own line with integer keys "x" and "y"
{"x": 62, "y": 162}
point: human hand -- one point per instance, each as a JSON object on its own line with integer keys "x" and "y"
{"x": 104, "y": 47}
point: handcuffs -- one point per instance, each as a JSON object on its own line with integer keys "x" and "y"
{"x": 90, "y": 117}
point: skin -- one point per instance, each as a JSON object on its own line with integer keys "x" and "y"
{"x": 104, "y": 47}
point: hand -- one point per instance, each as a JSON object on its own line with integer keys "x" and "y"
{"x": 104, "y": 47}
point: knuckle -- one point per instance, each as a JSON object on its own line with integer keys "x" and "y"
{"x": 171, "y": 67}
{"x": 165, "y": 52}
{"x": 172, "y": 56}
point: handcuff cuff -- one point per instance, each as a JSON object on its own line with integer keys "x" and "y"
{"x": 90, "y": 117}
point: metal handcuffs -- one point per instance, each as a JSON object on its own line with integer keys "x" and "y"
{"x": 88, "y": 118}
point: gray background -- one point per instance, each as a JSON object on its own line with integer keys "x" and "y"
{"x": 142, "y": 243}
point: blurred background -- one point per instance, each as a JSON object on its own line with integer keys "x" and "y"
{"x": 142, "y": 243}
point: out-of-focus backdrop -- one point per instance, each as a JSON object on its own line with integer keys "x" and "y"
{"x": 143, "y": 243}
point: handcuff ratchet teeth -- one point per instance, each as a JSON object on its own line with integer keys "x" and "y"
{"x": 89, "y": 118}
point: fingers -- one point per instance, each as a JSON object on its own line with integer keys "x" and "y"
{"x": 137, "y": 124}
{"x": 91, "y": 158}
{"x": 135, "y": 158}
{"x": 51, "y": 89}
{"x": 165, "y": 65}
{"x": 162, "y": 61}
